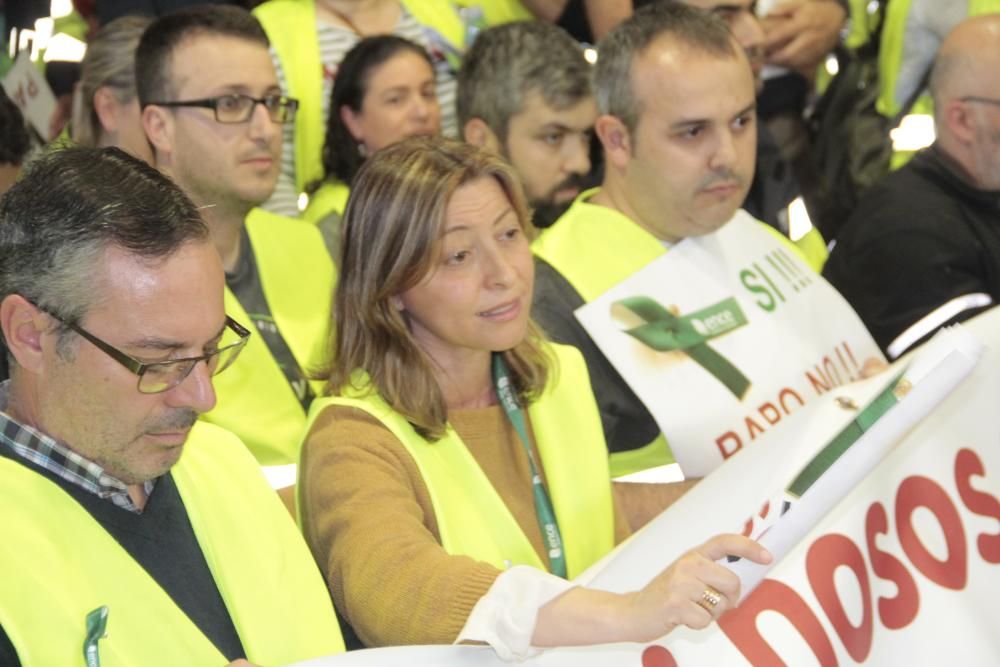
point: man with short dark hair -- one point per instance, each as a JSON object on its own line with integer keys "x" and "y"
{"x": 126, "y": 517}
{"x": 677, "y": 99}
{"x": 213, "y": 112}
{"x": 775, "y": 183}
{"x": 524, "y": 92}
{"x": 922, "y": 250}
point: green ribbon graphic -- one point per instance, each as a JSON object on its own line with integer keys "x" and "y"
{"x": 665, "y": 332}
{"x": 97, "y": 623}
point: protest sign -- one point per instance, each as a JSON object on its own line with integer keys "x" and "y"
{"x": 724, "y": 337}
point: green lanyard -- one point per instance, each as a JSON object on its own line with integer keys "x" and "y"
{"x": 543, "y": 506}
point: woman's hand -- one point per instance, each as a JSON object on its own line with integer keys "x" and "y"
{"x": 800, "y": 33}
{"x": 694, "y": 590}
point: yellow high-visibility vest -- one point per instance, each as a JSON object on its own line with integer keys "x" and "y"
{"x": 472, "y": 517}
{"x": 59, "y": 564}
{"x": 297, "y": 276}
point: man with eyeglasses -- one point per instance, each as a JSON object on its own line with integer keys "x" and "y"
{"x": 922, "y": 250}
{"x": 213, "y": 112}
{"x": 133, "y": 532}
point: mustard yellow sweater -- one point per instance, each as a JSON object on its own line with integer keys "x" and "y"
{"x": 368, "y": 519}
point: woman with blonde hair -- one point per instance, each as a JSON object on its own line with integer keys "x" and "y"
{"x": 105, "y": 106}
{"x": 456, "y": 475}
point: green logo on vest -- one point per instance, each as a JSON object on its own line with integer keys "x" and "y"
{"x": 97, "y": 623}
{"x": 664, "y": 331}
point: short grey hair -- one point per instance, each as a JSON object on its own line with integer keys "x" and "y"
{"x": 71, "y": 206}
{"x": 509, "y": 61}
{"x": 693, "y": 27}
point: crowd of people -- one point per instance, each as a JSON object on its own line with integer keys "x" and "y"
{"x": 352, "y": 236}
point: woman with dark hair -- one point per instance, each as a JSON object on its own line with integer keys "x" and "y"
{"x": 459, "y": 457}
{"x": 384, "y": 92}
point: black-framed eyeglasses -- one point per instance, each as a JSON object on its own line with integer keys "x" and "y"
{"x": 159, "y": 376}
{"x": 980, "y": 100}
{"x": 238, "y": 108}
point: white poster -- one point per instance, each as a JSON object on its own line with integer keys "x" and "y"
{"x": 27, "y": 88}
{"x": 724, "y": 337}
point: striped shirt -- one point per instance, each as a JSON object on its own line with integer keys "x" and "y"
{"x": 32, "y": 445}
{"x": 334, "y": 43}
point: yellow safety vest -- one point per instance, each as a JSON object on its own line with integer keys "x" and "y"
{"x": 254, "y": 399}
{"x": 472, "y": 517}
{"x": 291, "y": 28}
{"x": 331, "y": 197}
{"x": 891, "y": 53}
{"x": 59, "y": 564}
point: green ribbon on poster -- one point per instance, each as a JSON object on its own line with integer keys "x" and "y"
{"x": 665, "y": 332}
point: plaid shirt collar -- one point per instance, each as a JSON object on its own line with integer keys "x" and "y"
{"x": 38, "y": 448}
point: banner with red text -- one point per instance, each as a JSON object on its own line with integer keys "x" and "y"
{"x": 900, "y": 566}
{"x": 725, "y": 336}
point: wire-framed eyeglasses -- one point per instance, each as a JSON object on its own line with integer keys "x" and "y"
{"x": 159, "y": 376}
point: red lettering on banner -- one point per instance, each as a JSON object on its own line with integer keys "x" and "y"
{"x": 730, "y": 442}
{"x": 721, "y": 440}
{"x": 820, "y": 385}
{"x": 833, "y": 550}
{"x": 19, "y": 98}
{"x": 786, "y": 392}
{"x": 769, "y": 412}
{"x": 658, "y": 656}
{"x": 826, "y": 555}
{"x": 967, "y": 465}
{"x": 740, "y": 624}
{"x": 847, "y": 369}
{"x": 917, "y": 492}
{"x": 831, "y": 372}
{"x": 748, "y": 526}
{"x": 896, "y": 612}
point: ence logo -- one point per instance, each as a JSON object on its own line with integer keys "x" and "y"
{"x": 664, "y": 331}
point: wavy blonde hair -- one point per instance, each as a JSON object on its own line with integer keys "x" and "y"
{"x": 393, "y": 224}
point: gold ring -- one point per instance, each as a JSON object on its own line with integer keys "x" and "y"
{"x": 710, "y": 598}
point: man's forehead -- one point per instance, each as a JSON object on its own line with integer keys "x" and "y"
{"x": 207, "y": 60}
{"x": 679, "y": 80}
{"x": 537, "y": 112}
{"x": 669, "y": 57}
{"x": 164, "y": 294}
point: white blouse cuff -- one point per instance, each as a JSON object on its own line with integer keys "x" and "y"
{"x": 505, "y": 617}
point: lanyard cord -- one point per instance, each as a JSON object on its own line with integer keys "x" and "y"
{"x": 543, "y": 506}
